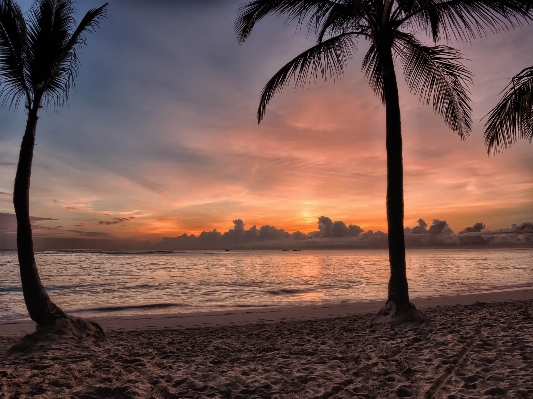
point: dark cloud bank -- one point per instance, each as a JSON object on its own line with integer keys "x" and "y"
{"x": 329, "y": 235}
{"x": 338, "y": 235}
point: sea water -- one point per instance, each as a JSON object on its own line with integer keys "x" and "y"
{"x": 103, "y": 283}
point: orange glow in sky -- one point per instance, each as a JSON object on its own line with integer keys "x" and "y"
{"x": 160, "y": 137}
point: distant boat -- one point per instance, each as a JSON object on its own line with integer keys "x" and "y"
{"x": 227, "y": 250}
{"x": 296, "y": 249}
{"x": 284, "y": 249}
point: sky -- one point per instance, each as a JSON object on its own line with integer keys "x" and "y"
{"x": 160, "y": 137}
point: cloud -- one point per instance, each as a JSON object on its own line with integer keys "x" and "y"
{"x": 476, "y": 228}
{"x": 325, "y": 226}
{"x": 114, "y": 221}
{"x": 238, "y": 225}
{"x": 421, "y": 228}
{"x": 8, "y": 194}
{"x": 71, "y": 208}
{"x": 8, "y": 222}
{"x": 298, "y": 235}
{"x": 338, "y": 229}
{"x": 93, "y": 234}
{"x": 271, "y": 233}
{"x": 524, "y": 227}
{"x": 437, "y": 227}
{"x": 330, "y": 234}
{"x": 39, "y": 227}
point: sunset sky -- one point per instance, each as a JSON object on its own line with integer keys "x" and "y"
{"x": 160, "y": 136}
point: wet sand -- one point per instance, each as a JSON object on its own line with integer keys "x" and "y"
{"x": 475, "y": 346}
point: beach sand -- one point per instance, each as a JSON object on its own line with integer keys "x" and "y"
{"x": 475, "y": 346}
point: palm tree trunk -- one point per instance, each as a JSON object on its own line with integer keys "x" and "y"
{"x": 41, "y": 309}
{"x": 398, "y": 288}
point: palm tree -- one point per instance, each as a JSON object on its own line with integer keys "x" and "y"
{"x": 512, "y": 118}
{"x": 434, "y": 73}
{"x": 38, "y": 63}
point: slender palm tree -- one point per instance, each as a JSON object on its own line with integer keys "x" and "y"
{"x": 434, "y": 73}
{"x": 512, "y": 118}
{"x": 39, "y": 64}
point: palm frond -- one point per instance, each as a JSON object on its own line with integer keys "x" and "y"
{"x": 12, "y": 43}
{"x": 512, "y": 118}
{"x": 373, "y": 71}
{"x": 49, "y": 25}
{"x": 351, "y": 16}
{"x": 326, "y": 59}
{"x": 295, "y": 10}
{"x": 68, "y": 62}
{"x": 422, "y": 15}
{"x": 437, "y": 76}
{"x": 53, "y": 42}
{"x": 469, "y": 19}
{"x": 89, "y": 23}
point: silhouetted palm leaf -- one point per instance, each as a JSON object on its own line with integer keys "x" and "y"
{"x": 52, "y": 42}
{"x": 462, "y": 19}
{"x": 12, "y": 45}
{"x": 373, "y": 71}
{"x": 299, "y": 10}
{"x": 38, "y": 58}
{"x": 326, "y": 59}
{"x": 437, "y": 76}
{"x": 512, "y": 118}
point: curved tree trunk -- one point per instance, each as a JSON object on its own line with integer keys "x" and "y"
{"x": 41, "y": 309}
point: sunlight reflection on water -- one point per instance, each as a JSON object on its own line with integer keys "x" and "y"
{"x": 93, "y": 283}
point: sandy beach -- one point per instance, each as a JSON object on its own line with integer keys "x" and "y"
{"x": 474, "y": 346}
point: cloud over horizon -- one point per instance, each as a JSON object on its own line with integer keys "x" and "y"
{"x": 269, "y": 237}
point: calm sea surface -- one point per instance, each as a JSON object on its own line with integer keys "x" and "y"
{"x": 106, "y": 283}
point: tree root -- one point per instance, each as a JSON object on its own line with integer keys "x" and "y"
{"x": 67, "y": 328}
{"x": 393, "y": 315}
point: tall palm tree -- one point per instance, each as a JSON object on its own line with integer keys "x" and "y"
{"x": 434, "y": 73}
{"x": 39, "y": 64}
{"x": 512, "y": 118}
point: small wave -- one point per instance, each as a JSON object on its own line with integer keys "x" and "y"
{"x": 110, "y": 252}
{"x": 511, "y": 287}
{"x": 73, "y": 287}
{"x": 289, "y": 291}
{"x": 155, "y": 252}
{"x": 15, "y": 288}
{"x": 131, "y": 307}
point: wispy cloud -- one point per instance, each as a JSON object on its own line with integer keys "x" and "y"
{"x": 92, "y": 234}
{"x": 114, "y": 221}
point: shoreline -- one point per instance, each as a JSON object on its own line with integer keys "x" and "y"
{"x": 268, "y": 315}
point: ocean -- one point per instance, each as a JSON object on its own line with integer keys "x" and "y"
{"x": 105, "y": 283}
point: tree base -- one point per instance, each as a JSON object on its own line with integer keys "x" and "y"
{"x": 394, "y": 315}
{"x": 63, "y": 329}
